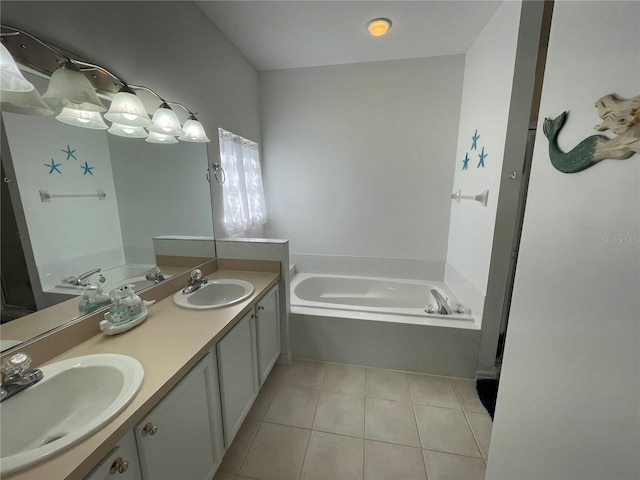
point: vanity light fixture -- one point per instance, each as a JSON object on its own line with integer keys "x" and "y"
{"x": 82, "y": 118}
{"x": 127, "y": 109}
{"x": 127, "y": 131}
{"x": 11, "y": 79}
{"x": 165, "y": 122}
{"x": 378, "y": 26}
{"x": 69, "y": 88}
{"x": 193, "y": 131}
{"x": 160, "y": 138}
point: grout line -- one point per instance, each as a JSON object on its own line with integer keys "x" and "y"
{"x": 473, "y": 435}
{"x": 246, "y": 454}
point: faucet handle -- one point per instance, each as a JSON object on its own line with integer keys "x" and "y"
{"x": 16, "y": 364}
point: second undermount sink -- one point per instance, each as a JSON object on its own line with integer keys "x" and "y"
{"x": 215, "y": 294}
{"x": 75, "y": 398}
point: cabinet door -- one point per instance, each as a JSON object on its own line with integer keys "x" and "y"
{"x": 121, "y": 464}
{"x": 178, "y": 439}
{"x": 268, "y": 333}
{"x": 237, "y": 371}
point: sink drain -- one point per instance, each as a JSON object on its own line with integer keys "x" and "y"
{"x": 52, "y": 439}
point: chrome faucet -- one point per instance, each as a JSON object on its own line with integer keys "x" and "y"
{"x": 443, "y": 306}
{"x": 155, "y": 275}
{"x": 195, "y": 282}
{"x": 81, "y": 280}
{"x": 16, "y": 377}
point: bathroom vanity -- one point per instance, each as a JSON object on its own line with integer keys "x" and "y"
{"x": 202, "y": 372}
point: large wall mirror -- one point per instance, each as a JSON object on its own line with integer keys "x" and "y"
{"x": 150, "y": 191}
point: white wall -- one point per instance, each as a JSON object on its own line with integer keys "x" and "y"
{"x": 171, "y": 47}
{"x": 488, "y": 77}
{"x": 359, "y": 158}
{"x": 569, "y": 399}
{"x": 162, "y": 190}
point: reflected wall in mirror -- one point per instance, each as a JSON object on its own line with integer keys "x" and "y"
{"x": 150, "y": 190}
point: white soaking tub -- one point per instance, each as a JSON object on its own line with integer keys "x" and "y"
{"x": 381, "y": 322}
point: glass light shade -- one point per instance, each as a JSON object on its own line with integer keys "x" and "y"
{"x": 193, "y": 131}
{"x": 378, "y": 26}
{"x": 127, "y": 131}
{"x": 82, "y": 118}
{"x": 127, "y": 109}
{"x": 160, "y": 138}
{"x": 166, "y": 122}
{"x": 71, "y": 89}
{"x": 11, "y": 79}
{"x": 27, "y": 103}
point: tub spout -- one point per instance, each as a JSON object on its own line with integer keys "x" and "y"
{"x": 443, "y": 306}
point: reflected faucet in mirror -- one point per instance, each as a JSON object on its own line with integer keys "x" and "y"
{"x": 82, "y": 280}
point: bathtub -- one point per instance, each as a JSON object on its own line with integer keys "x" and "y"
{"x": 381, "y": 322}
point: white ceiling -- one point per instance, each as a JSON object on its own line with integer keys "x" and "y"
{"x": 299, "y": 33}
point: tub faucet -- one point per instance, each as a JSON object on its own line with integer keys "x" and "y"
{"x": 443, "y": 306}
{"x": 81, "y": 280}
{"x": 16, "y": 377}
{"x": 155, "y": 275}
{"x": 195, "y": 282}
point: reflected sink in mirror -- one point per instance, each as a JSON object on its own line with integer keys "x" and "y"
{"x": 215, "y": 294}
{"x": 75, "y": 398}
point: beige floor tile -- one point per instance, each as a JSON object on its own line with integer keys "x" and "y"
{"x": 293, "y": 406}
{"x": 387, "y": 384}
{"x": 384, "y": 461}
{"x": 333, "y": 457}
{"x": 305, "y": 374}
{"x": 277, "y": 373}
{"x": 223, "y": 476}
{"x": 344, "y": 379}
{"x": 390, "y": 421}
{"x": 239, "y": 447}
{"x": 445, "y": 466}
{"x": 467, "y": 395}
{"x": 430, "y": 390}
{"x": 341, "y": 414}
{"x": 445, "y": 430}
{"x": 263, "y": 401}
{"x": 277, "y": 452}
{"x": 481, "y": 426}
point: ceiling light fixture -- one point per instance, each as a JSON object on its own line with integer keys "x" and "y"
{"x": 69, "y": 88}
{"x": 165, "y": 121}
{"x": 127, "y": 131}
{"x": 82, "y": 118}
{"x": 160, "y": 138}
{"x": 378, "y": 26}
{"x": 26, "y": 103}
{"x": 193, "y": 131}
{"x": 11, "y": 79}
{"x": 127, "y": 109}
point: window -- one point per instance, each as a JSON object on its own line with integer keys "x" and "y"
{"x": 242, "y": 190}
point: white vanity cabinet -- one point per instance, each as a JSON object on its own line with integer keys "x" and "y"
{"x": 182, "y": 436}
{"x": 267, "y": 318}
{"x": 121, "y": 464}
{"x": 237, "y": 368}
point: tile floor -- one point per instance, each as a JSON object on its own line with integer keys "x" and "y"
{"x": 333, "y": 422}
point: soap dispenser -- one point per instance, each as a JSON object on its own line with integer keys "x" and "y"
{"x": 87, "y": 302}
{"x": 102, "y": 299}
{"x": 118, "y": 313}
{"x": 133, "y": 302}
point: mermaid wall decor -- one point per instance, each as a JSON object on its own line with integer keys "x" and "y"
{"x": 621, "y": 117}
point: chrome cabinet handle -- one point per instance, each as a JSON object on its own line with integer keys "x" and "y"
{"x": 118, "y": 466}
{"x": 149, "y": 429}
{"x": 260, "y": 307}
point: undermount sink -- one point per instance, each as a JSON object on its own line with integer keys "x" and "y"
{"x": 75, "y": 398}
{"x": 215, "y": 294}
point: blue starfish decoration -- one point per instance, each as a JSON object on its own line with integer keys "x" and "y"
{"x": 53, "y": 166}
{"x": 69, "y": 152}
{"x": 465, "y": 162}
{"x": 87, "y": 168}
{"x": 482, "y": 156}
{"x": 474, "y": 140}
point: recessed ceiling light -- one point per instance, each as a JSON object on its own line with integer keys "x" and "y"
{"x": 378, "y": 26}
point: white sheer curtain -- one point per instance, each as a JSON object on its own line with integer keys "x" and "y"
{"x": 242, "y": 190}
